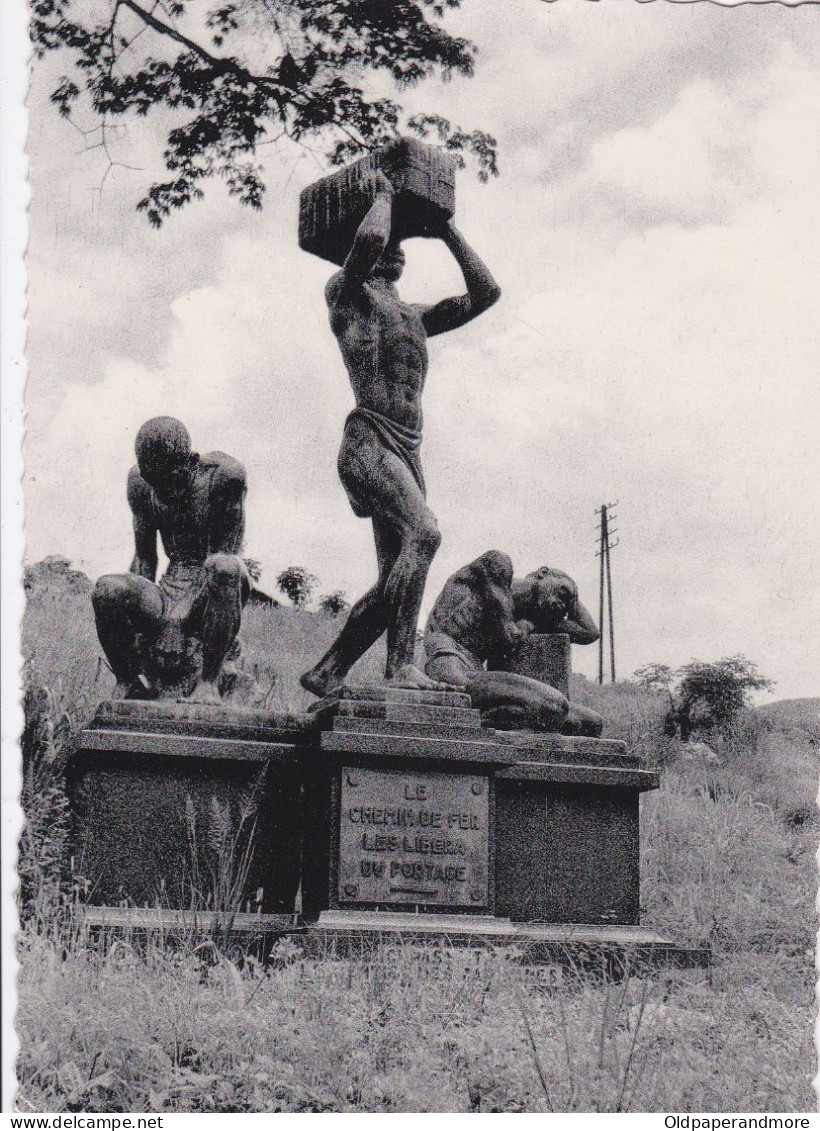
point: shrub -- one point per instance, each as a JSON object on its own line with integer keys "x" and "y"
{"x": 297, "y": 584}
{"x": 334, "y": 604}
{"x": 704, "y": 696}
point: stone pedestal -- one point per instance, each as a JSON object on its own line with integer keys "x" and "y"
{"x": 555, "y": 818}
{"x": 380, "y": 810}
{"x": 546, "y": 657}
{"x": 176, "y": 805}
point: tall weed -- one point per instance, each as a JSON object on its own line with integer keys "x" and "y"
{"x": 409, "y": 1028}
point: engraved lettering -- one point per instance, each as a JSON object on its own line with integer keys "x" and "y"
{"x": 394, "y": 849}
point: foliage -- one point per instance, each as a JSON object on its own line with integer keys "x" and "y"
{"x": 793, "y": 716}
{"x": 407, "y": 1028}
{"x": 334, "y": 604}
{"x": 716, "y": 693}
{"x": 221, "y": 845}
{"x": 174, "y": 1024}
{"x": 704, "y": 696}
{"x": 654, "y": 677}
{"x": 63, "y": 678}
{"x": 44, "y": 842}
{"x": 239, "y": 74}
{"x": 54, "y": 570}
{"x": 297, "y": 584}
{"x": 722, "y": 866}
{"x": 278, "y": 644}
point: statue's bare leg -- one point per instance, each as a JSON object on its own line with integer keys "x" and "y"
{"x": 365, "y": 623}
{"x": 538, "y": 705}
{"x": 419, "y": 539}
{"x": 583, "y": 722}
{"x": 405, "y": 517}
{"x": 126, "y": 605}
{"x": 219, "y": 611}
{"x": 406, "y": 538}
{"x": 532, "y": 704}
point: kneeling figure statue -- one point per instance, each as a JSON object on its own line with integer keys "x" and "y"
{"x": 478, "y": 623}
{"x": 170, "y": 639}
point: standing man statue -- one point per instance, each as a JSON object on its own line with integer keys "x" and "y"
{"x": 481, "y": 617}
{"x": 170, "y": 639}
{"x": 384, "y": 346}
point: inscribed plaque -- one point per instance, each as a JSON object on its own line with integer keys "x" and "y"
{"x": 413, "y": 838}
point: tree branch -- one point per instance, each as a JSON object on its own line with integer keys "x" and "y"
{"x": 172, "y": 33}
{"x": 219, "y": 64}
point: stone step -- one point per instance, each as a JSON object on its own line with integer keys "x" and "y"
{"x": 565, "y": 948}
{"x": 547, "y": 754}
{"x": 150, "y": 714}
{"x": 354, "y": 724}
{"x": 427, "y": 746}
{"x": 409, "y": 713}
{"x": 574, "y": 745}
{"x": 384, "y": 693}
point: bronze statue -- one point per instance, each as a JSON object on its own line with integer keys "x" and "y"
{"x": 481, "y": 616}
{"x": 384, "y": 346}
{"x": 170, "y": 639}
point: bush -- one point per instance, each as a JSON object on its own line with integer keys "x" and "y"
{"x": 720, "y": 867}
{"x": 703, "y": 696}
{"x": 173, "y": 1024}
{"x": 297, "y": 584}
{"x": 44, "y": 842}
{"x": 334, "y": 604}
{"x": 408, "y": 1028}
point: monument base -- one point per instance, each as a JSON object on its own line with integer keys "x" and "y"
{"x": 181, "y": 805}
{"x": 573, "y": 946}
{"x": 380, "y": 812}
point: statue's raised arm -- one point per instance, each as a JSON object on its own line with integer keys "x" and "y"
{"x": 371, "y": 238}
{"x": 484, "y": 612}
{"x": 482, "y": 289}
{"x": 579, "y": 625}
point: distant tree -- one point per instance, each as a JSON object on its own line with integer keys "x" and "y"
{"x": 659, "y": 678}
{"x": 297, "y": 584}
{"x": 55, "y": 572}
{"x": 232, "y": 75}
{"x": 713, "y": 695}
{"x": 334, "y": 604}
{"x": 654, "y": 677}
{"x": 704, "y": 696}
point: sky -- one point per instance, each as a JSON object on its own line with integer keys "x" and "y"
{"x": 656, "y": 235}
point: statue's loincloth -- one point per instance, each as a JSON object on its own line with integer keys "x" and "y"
{"x": 396, "y": 438}
{"x": 185, "y": 581}
{"x": 179, "y": 584}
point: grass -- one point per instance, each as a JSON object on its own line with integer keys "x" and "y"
{"x": 410, "y": 1029}
{"x": 189, "y": 1024}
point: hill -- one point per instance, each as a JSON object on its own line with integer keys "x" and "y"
{"x": 801, "y": 714}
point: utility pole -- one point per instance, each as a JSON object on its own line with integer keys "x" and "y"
{"x": 605, "y": 545}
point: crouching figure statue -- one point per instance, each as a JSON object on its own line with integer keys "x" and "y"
{"x": 477, "y": 625}
{"x": 169, "y": 640}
